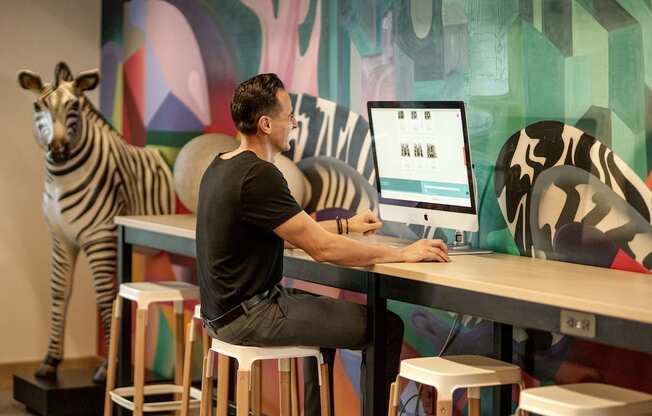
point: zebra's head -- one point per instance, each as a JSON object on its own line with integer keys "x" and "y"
{"x": 57, "y": 109}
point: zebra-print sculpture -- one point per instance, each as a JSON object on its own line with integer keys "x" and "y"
{"x": 91, "y": 176}
{"x": 566, "y": 196}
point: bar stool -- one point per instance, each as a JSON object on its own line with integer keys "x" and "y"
{"x": 446, "y": 374}
{"x": 584, "y": 399}
{"x": 248, "y": 359}
{"x": 145, "y": 293}
{"x": 190, "y": 340}
{"x": 223, "y": 370}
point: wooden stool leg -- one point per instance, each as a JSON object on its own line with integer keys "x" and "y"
{"x": 205, "y": 340}
{"x": 393, "y": 398}
{"x": 324, "y": 391}
{"x": 178, "y": 346}
{"x": 206, "y": 385}
{"x": 520, "y": 412}
{"x": 242, "y": 395}
{"x": 222, "y": 385}
{"x": 185, "y": 395}
{"x": 284, "y": 386}
{"x": 473, "y": 398}
{"x": 294, "y": 388}
{"x": 256, "y": 388}
{"x": 139, "y": 362}
{"x": 113, "y": 355}
{"x": 444, "y": 407}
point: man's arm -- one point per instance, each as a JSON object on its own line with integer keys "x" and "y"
{"x": 365, "y": 222}
{"x": 303, "y": 232}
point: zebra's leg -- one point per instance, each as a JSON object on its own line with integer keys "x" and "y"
{"x": 63, "y": 265}
{"x": 102, "y": 258}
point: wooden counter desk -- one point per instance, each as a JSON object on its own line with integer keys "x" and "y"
{"x": 615, "y": 307}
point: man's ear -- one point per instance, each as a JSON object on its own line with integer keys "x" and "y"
{"x": 87, "y": 80}
{"x": 265, "y": 124}
{"x": 30, "y": 81}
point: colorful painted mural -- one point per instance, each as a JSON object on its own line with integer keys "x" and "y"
{"x": 559, "y": 101}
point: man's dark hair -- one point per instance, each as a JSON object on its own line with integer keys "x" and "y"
{"x": 253, "y": 98}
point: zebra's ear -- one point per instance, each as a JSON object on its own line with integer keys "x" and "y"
{"x": 62, "y": 73}
{"x": 87, "y": 80}
{"x": 30, "y": 81}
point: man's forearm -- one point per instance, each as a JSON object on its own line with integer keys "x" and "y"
{"x": 347, "y": 252}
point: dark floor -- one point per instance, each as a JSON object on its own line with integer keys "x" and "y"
{"x": 9, "y": 407}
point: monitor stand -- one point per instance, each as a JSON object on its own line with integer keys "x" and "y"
{"x": 461, "y": 247}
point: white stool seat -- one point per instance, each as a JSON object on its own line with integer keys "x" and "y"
{"x": 145, "y": 293}
{"x": 584, "y": 399}
{"x": 246, "y": 355}
{"x": 456, "y": 371}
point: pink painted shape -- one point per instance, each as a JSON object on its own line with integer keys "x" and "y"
{"x": 175, "y": 46}
{"x": 280, "y": 51}
{"x": 134, "y": 73}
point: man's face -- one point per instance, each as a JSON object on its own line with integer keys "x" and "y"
{"x": 283, "y": 122}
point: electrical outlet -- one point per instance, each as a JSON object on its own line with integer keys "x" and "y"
{"x": 577, "y": 323}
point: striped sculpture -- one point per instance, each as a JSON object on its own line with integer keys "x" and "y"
{"x": 91, "y": 175}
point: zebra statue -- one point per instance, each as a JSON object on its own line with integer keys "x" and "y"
{"x": 91, "y": 176}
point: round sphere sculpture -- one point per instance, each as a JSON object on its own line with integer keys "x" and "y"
{"x": 297, "y": 182}
{"x": 192, "y": 161}
{"x": 198, "y": 153}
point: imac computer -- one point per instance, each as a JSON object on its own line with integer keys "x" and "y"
{"x": 423, "y": 164}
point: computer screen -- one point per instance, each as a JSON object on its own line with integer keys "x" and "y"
{"x": 422, "y": 155}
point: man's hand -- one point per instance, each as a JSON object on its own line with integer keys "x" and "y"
{"x": 365, "y": 222}
{"x": 425, "y": 250}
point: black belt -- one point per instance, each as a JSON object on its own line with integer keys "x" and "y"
{"x": 238, "y": 310}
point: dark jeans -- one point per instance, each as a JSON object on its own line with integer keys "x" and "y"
{"x": 292, "y": 317}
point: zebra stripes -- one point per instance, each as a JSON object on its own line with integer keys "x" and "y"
{"x": 91, "y": 176}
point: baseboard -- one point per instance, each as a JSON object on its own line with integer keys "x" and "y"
{"x": 8, "y": 369}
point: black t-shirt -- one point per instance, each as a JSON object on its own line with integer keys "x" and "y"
{"x": 241, "y": 201}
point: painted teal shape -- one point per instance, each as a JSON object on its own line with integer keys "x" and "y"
{"x": 503, "y": 241}
{"x": 642, "y": 12}
{"x": 334, "y": 57}
{"x": 164, "y": 356}
{"x": 626, "y": 86}
{"x": 112, "y": 27}
{"x": 577, "y": 87}
{"x": 489, "y": 23}
{"x": 242, "y": 28}
{"x": 275, "y": 4}
{"x": 306, "y": 28}
{"x": 170, "y": 138}
{"x": 363, "y": 20}
{"x": 544, "y": 77}
{"x": 427, "y": 52}
{"x": 628, "y": 144}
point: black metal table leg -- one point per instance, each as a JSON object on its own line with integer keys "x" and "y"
{"x": 502, "y": 348}
{"x": 375, "y": 396}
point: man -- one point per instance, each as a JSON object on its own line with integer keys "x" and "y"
{"x": 245, "y": 215}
